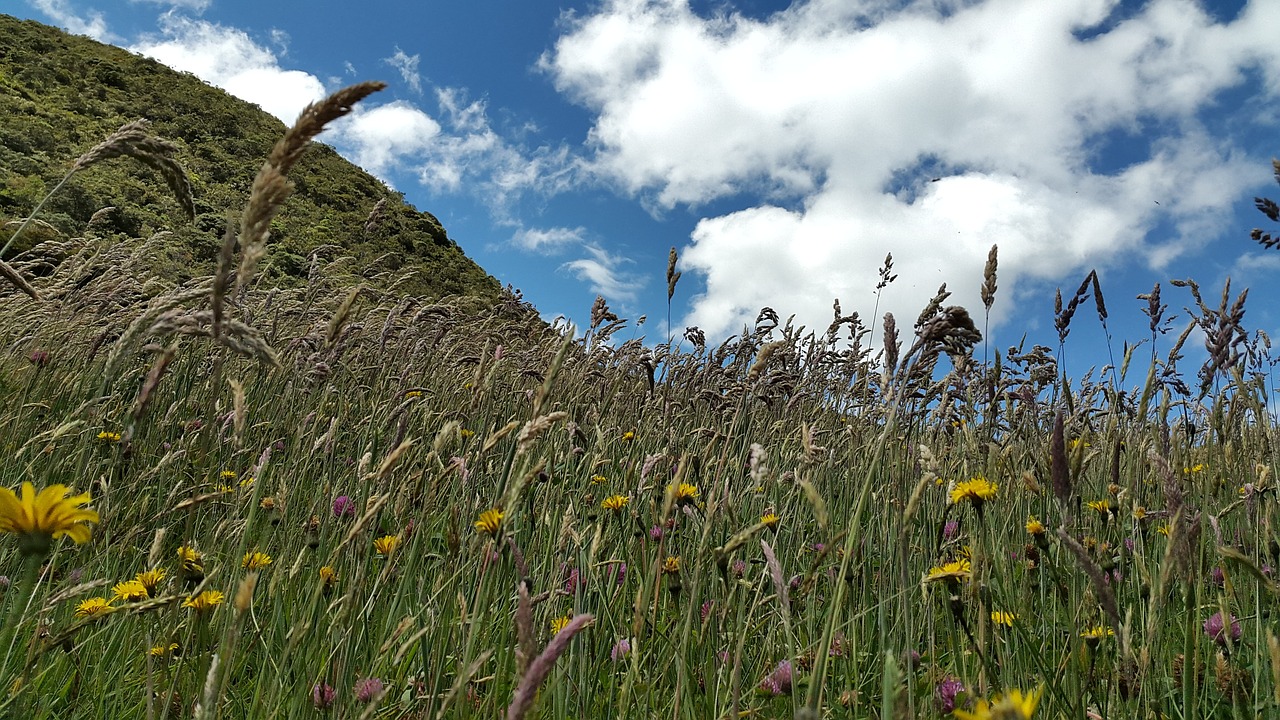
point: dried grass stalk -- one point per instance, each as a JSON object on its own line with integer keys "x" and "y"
{"x": 1106, "y": 597}
{"x": 989, "y": 280}
{"x": 541, "y": 667}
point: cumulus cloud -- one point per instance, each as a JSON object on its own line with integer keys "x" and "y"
{"x": 408, "y": 67}
{"x": 91, "y": 23}
{"x": 228, "y": 58}
{"x": 387, "y": 135}
{"x": 547, "y": 239}
{"x": 196, "y": 6}
{"x": 931, "y": 130}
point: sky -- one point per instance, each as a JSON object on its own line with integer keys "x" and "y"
{"x": 785, "y": 148}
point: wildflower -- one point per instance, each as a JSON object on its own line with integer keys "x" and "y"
{"x": 1077, "y": 442}
{"x": 620, "y": 650}
{"x": 951, "y": 572}
{"x": 192, "y": 559}
{"x": 628, "y": 436}
{"x": 1013, "y": 706}
{"x": 619, "y": 570}
{"x": 778, "y": 682}
{"x": 93, "y": 607}
{"x": 655, "y": 532}
{"x": 599, "y": 479}
{"x": 413, "y": 394}
{"x": 41, "y": 518}
{"x": 130, "y": 591}
{"x": 976, "y": 490}
{"x": 489, "y": 522}
{"x": 267, "y": 503}
{"x": 1139, "y": 512}
{"x": 1218, "y": 628}
{"x": 1197, "y": 468}
{"x": 255, "y": 560}
{"x": 770, "y": 520}
{"x": 949, "y": 694}
{"x": 1034, "y": 526}
{"x": 323, "y": 695}
{"x": 466, "y": 434}
{"x": 615, "y": 503}
{"x": 150, "y": 579}
{"x": 386, "y": 545}
{"x": 368, "y": 689}
{"x": 683, "y": 493}
{"x": 738, "y": 568}
{"x": 329, "y": 577}
{"x": 163, "y": 651}
{"x": 39, "y": 358}
{"x": 572, "y": 580}
{"x": 950, "y": 530}
{"x": 247, "y": 483}
{"x": 1102, "y": 507}
{"x": 227, "y": 475}
{"x": 558, "y": 624}
{"x": 1095, "y": 634}
{"x": 111, "y": 437}
{"x": 1000, "y": 617}
{"x": 1163, "y": 529}
{"x": 671, "y": 565}
{"x": 205, "y": 601}
{"x": 343, "y": 507}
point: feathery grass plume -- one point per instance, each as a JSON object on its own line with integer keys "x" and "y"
{"x": 1224, "y": 337}
{"x": 933, "y": 306}
{"x": 673, "y": 277}
{"x": 989, "y": 280}
{"x": 1269, "y": 208}
{"x": 891, "y": 345}
{"x": 535, "y": 427}
{"x": 372, "y": 222}
{"x": 524, "y": 628}
{"x": 1062, "y": 317}
{"x": 340, "y": 317}
{"x": 152, "y": 380}
{"x": 222, "y": 276}
{"x": 1060, "y": 471}
{"x": 1106, "y": 596}
{"x": 270, "y": 188}
{"x": 886, "y": 272}
{"x": 526, "y": 690}
{"x": 762, "y": 358}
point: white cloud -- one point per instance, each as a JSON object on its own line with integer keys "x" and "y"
{"x": 388, "y": 135}
{"x": 547, "y": 239}
{"x": 280, "y": 39}
{"x": 92, "y": 24}
{"x": 840, "y": 113}
{"x": 196, "y": 6}
{"x": 230, "y": 59}
{"x": 604, "y": 273}
{"x": 408, "y": 67}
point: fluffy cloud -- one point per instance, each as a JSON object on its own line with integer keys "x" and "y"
{"x": 604, "y": 273}
{"x": 547, "y": 239}
{"x": 230, "y": 59}
{"x": 388, "y": 134}
{"x": 408, "y": 67}
{"x": 931, "y": 130}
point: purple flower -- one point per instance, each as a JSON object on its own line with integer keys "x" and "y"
{"x": 620, "y": 650}
{"x": 619, "y": 570}
{"x": 572, "y": 580}
{"x": 39, "y": 358}
{"x": 368, "y": 689}
{"x": 1217, "y": 577}
{"x": 951, "y": 529}
{"x": 739, "y": 568}
{"x": 655, "y": 532}
{"x": 323, "y": 695}
{"x": 819, "y": 547}
{"x": 949, "y": 694}
{"x": 343, "y": 506}
{"x": 706, "y": 609}
{"x": 1216, "y": 627}
{"x": 778, "y": 682}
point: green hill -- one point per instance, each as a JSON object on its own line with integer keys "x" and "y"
{"x": 62, "y": 94}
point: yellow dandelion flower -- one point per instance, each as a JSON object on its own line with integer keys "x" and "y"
{"x": 1139, "y": 512}
{"x": 628, "y": 436}
{"x": 615, "y": 503}
{"x": 413, "y": 394}
{"x": 205, "y": 601}
{"x": 467, "y": 434}
{"x": 109, "y": 436}
{"x": 1197, "y": 468}
{"x": 976, "y": 490}
{"x": 671, "y": 565}
{"x": 770, "y": 520}
{"x": 1014, "y": 706}
{"x": 130, "y": 591}
{"x": 489, "y": 522}
{"x": 40, "y": 518}
{"x": 1102, "y": 507}
{"x": 162, "y": 651}
{"x": 386, "y": 545}
{"x": 223, "y": 488}
{"x": 953, "y": 571}
{"x": 558, "y": 624}
{"x": 1000, "y": 617}
{"x": 683, "y": 493}
{"x": 1077, "y": 442}
{"x": 599, "y": 479}
{"x": 191, "y": 559}
{"x": 247, "y": 483}
{"x": 1034, "y": 526}
{"x": 255, "y": 560}
{"x": 1098, "y": 632}
{"x": 93, "y": 606}
{"x": 329, "y": 577}
{"x": 227, "y": 475}
{"x": 150, "y": 579}
{"x": 1163, "y": 529}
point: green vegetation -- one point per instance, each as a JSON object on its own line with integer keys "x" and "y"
{"x": 63, "y": 94}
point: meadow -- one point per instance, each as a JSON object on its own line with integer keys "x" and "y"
{"x": 337, "y": 501}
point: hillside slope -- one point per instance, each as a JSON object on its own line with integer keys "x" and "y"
{"x": 62, "y": 94}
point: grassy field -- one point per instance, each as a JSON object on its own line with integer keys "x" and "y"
{"x": 337, "y": 501}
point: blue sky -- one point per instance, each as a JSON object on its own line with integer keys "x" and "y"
{"x": 785, "y": 148}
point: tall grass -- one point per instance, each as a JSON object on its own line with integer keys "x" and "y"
{"x": 806, "y": 576}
